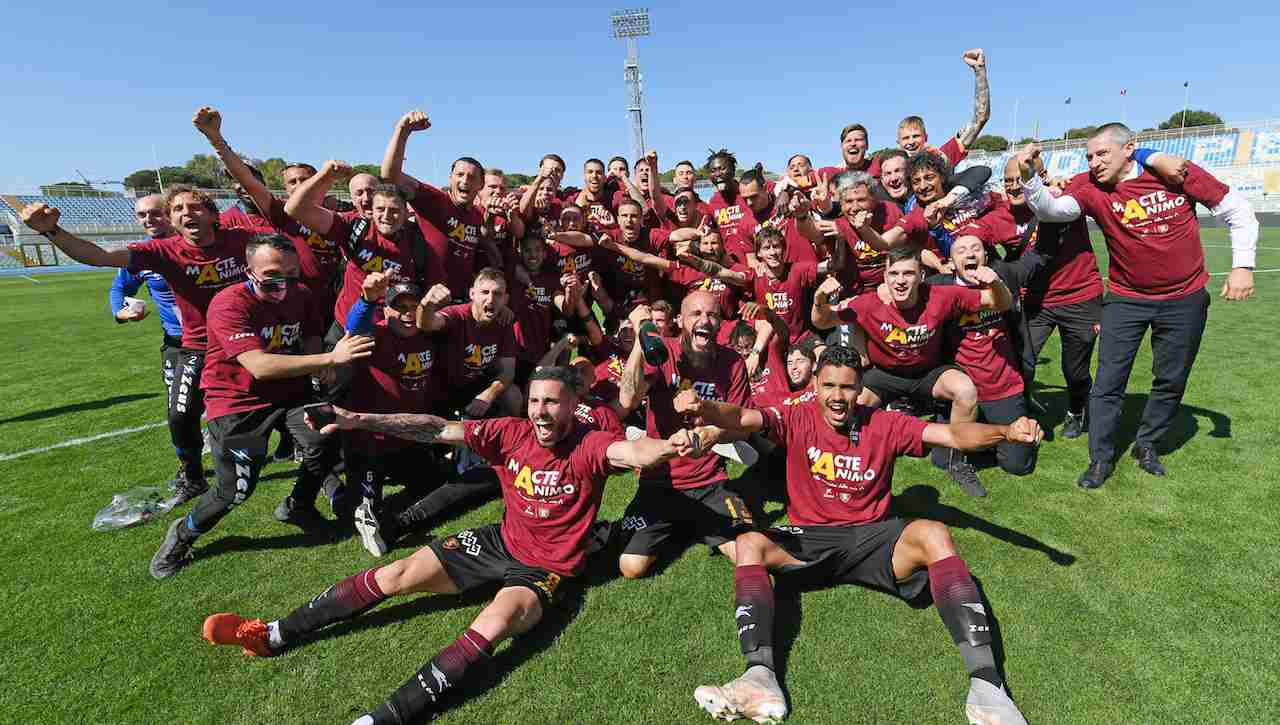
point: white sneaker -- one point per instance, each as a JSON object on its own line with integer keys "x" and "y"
{"x": 367, "y": 525}
{"x": 754, "y": 695}
{"x": 990, "y": 705}
{"x": 740, "y": 451}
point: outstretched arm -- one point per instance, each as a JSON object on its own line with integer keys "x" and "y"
{"x": 714, "y": 269}
{"x": 422, "y": 427}
{"x": 976, "y": 59}
{"x": 642, "y": 452}
{"x": 208, "y": 121}
{"x": 44, "y": 219}
{"x": 393, "y": 159}
{"x": 635, "y": 255}
{"x": 722, "y": 415}
{"x": 977, "y": 436}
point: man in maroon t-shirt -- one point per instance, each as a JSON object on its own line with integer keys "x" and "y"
{"x": 450, "y": 220}
{"x": 265, "y": 341}
{"x": 786, "y": 287}
{"x": 863, "y": 267}
{"x": 853, "y": 153}
{"x": 198, "y": 261}
{"x": 479, "y": 347}
{"x": 840, "y": 460}
{"x": 536, "y": 293}
{"x": 596, "y": 197}
{"x": 1157, "y": 279}
{"x": 904, "y": 342}
{"x": 687, "y": 497}
{"x": 552, "y": 470}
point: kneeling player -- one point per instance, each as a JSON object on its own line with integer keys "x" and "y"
{"x": 840, "y": 459}
{"x": 553, "y": 470}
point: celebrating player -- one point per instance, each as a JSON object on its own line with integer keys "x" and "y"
{"x": 553, "y": 471}
{"x": 840, "y": 459}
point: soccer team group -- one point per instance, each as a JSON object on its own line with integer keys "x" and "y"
{"x": 476, "y": 341}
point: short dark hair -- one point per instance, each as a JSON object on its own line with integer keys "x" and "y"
{"x": 764, "y": 234}
{"x": 853, "y": 127}
{"x": 176, "y": 190}
{"x": 662, "y": 305}
{"x": 928, "y": 160}
{"x": 754, "y": 175}
{"x": 893, "y": 154}
{"x": 389, "y": 190}
{"x": 841, "y": 357}
{"x": 553, "y": 157}
{"x": 807, "y": 160}
{"x": 564, "y": 375}
{"x": 724, "y": 155}
{"x": 630, "y": 202}
{"x": 623, "y": 159}
{"x": 686, "y": 162}
{"x": 805, "y": 351}
{"x": 278, "y": 242}
{"x": 308, "y": 167}
{"x": 740, "y": 330}
{"x": 898, "y": 254}
{"x": 466, "y": 160}
{"x": 594, "y": 160}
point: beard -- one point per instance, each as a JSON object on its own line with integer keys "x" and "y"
{"x": 701, "y": 360}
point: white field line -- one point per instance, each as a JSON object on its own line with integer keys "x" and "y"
{"x": 1228, "y": 246}
{"x": 32, "y": 279}
{"x": 1256, "y": 271}
{"x": 80, "y": 441}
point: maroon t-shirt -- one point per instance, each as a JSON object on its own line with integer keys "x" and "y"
{"x": 724, "y": 379}
{"x": 319, "y": 257}
{"x": 799, "y": 248}
{"x": 459, "y": 235}
{"x": 737, "y": 223}
{"x": 597, "y": 414}
{"x": 1151, "y": 230}
{"x": 551, "y": 494}
{"x": 690, "y": 280}
{"x": 610, "y": 363}
{"x": 1071, "y": 276}
{"x": 787, "y": 295}
{"x": 533, "y": 306}
{"x": 984, "y": 349}
{"x": 472, "y": 350}
{"x": 841, "y": 479}
{"x": 907, "y": 342}
{"x": 770, "y": 382}
{"x": 629, "y": 282}
{"x": 864, "y": 264}
{"x": 403, "y": 375}
{"x": 195, "y": 274}
{"x": 373, "y": 252}
{"x": 240, "y": 322}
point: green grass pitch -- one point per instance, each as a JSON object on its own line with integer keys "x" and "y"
{"x": 1148, "y": 601}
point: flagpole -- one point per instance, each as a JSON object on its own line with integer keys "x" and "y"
{"x": 156, "y": 157}
{"x": 1013, "y": 139}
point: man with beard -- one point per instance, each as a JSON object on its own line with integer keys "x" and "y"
{"x": 453, "y": 213}
{"x": 319, "y": 258}
{"x": 629, "y": 282}
{"x": 985, "y": 343}
{"x": 789, "y": 213}
{"x": 786, "y": 287}
{"x": 479, "y": 346}
{"x": 553, "y": 471}
{"x": 686, "y": 212}
{"x": 840, "y": 460}
{"x": 265, "y": 342}
{"x": 596, "y": 198}
{"x": 686, "y": 497}
{"x": 1156, "y": 279}
{"x": 863, "y": 267}
{"x": 383, "y": 243}
{"x": 853, "y": 153}
{"x": 904, "y": 342}
{"x": 540, "y": 200}
{"x": 197, "y": 261}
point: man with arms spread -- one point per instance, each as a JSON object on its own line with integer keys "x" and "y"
{"x": 904, "y": 342}
{"x": 265, "y": 340}
{"x": 452, "y": 213}
{"x": 1156, "y": 279}
{"x": 553, "y": 471}
{"x": 198, "y": 261}
{"x": 840, "y": 458}
{"x": 686, "y": 496}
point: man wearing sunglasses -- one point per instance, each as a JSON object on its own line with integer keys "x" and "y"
{"x": 265, "y": 342}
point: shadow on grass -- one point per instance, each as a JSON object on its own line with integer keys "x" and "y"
{"x": 77, "y": 407}
{"x": 1183, "y": 428}
{"x": 922, "y": 502}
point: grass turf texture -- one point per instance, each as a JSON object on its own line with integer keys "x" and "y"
{"x": 1145, "y": 601}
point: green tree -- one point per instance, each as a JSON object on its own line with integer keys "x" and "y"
{"x": 74, "y": 188}
{"x": 1024, "y": 141}
{"x": 205, "y": 166}
{"x": 1194, "y": 118}
{"x": 1082, "y": 132}
{"x": 371, "y": 169}
{"x": 990, "y": 143}
{"x": 272, "y": 171}
{"x": 143, "y": 180}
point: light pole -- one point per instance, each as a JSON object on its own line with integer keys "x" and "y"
{"x": 632, "y": 24}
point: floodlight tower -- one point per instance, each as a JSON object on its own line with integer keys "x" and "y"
{"x": 632, "y": 24}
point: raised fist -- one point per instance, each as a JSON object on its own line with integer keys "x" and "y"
{"x": 975, "y": 58}
{"x": 829, "y": 288}
{"x": 860, "y": 219}
{"x": 207, "y": 121}
{"x": 1024, "y": 430}
{"x": 375, "y": 286}
{"x": 1028, "y": 158}
{"x": 749, "y": 311}
{"x": 415, "y": 121}
{"x": 985, "y": 275}
{"x": 437, "y": 295}
{"x": 40, "y": 217}
{"x": 333, "y": 167}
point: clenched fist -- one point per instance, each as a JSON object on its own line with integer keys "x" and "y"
{"x": 207, "y": 121}
{"x": 437, "y": 295}
{"x": 40, "y": 217}
{"x": 375, "y": 286}
{"x": 415, "y": 121}
{"x": 975, "y": 58}
{"x": 1024, "y": 430}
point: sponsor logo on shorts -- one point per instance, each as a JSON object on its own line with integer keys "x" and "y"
{"x": 469, "y": 542}
{"x": 634, "y": 523}
{"x": 548, "y": 585}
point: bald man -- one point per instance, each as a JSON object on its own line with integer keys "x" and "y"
{"x": 686, "y": 497}
{"x": 361, "y": 188}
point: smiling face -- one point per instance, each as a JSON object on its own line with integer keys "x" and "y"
{"x": 721, "y": 171}
{"x": 699, "y": 321}
{"x": 926, "y": 182}
{"x": 533, "y": 251}
{"x": 593, "y": 177}
{"x": 799, "y": 169}
{"x": 799, "y": 369}
{"x": 272, "y": 271}
{"x": 402, "y": 315}
{"x": 572, "y": 219}
{"x": 855, "y": 199}
{"x": 912, "y": 139}
{"x": 773, "y": 252}
{"x": 837, "y": 388}
{"x": 853, "y": 148}
{"x": 967, "y": 254}
{"x": 151, "y": 215}
{"x": 1013, "y": 184}
{"x": 361, "y": 188}
{"x": 684, "y": 175}
{"x": 903, "y": 278}
{"x": 551, "y": 405}
{"x": 465, "y": 182}
{"x": 191, "y": 217}
{"x": 495, "y": 187}
{"x": 711, "y": 246}
{"x": 388, "y": 214}
{"x": 893, "y": 177}
{"x": 686, "y": 207}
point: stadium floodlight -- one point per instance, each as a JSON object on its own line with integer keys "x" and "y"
{"x": 629, "y": 25}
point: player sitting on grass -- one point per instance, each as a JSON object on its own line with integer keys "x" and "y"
{"x": 553, "y": 470}
{"x": 840, "y": 458}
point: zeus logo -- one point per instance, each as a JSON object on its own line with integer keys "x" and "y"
{"x": 244, "y": 473}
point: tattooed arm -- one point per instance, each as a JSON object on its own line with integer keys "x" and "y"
{"x": 712, "y": 269}
{"x": 421, "y": 427}
{"x": 633, "y": 386}
{"x": 976, "y": 59}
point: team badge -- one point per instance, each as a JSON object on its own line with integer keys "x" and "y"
{"x": 450, "y": 543}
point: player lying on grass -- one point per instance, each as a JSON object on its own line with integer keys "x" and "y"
{"x": 553, "y": 470}
{"x": 840, "y": 458}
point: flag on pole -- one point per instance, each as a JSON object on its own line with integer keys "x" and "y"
{"x": 1186, "y": 84}
{"x": 1068, "y": 101}
{"x": 1124, "y": 91}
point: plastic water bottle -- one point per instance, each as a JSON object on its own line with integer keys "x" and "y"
{"x": 133, "y": 507}
{"x": 655, "y": 351}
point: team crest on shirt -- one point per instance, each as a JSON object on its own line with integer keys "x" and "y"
{"x": 219, "y": 273}
{"x": 1146, "y": 206}
{"x": 281, "y": 337}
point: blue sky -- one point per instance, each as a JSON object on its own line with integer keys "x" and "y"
{"x": 96, "y": 86}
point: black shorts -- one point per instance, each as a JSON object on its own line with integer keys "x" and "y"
{"x": 889, "y": 387}
{"x": 861, "y": 554}
{"x": 476, "y": 557}
{"x": 715, "y": 513}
